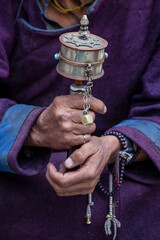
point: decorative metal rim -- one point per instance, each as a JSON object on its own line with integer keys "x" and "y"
{"x": 83, "y": 48}
{"x": 77, "y": 77}
{"x": 78, "y": 63}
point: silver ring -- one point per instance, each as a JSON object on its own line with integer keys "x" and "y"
{"x": 84, "y": 139}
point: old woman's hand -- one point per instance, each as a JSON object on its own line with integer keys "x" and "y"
{"x": 59, "y": 126}
{"x": 91, "y": 158}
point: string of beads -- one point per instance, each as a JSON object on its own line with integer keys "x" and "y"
{"x": 126, "y": 157}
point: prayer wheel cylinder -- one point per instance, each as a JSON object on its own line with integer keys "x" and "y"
{"x": 78, "y": 49}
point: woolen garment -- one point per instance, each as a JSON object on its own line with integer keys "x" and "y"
{"x": 130, "y": 88}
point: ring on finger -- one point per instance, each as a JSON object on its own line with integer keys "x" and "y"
{"x": 84, "y": 139}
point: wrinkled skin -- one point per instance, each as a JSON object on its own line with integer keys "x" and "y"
{"x": 92, "y": 157}
{"x": 59, "y": 125}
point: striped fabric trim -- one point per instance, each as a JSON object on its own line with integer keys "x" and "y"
{"x": 9, "y": 129}
{"x": 148, "y": 128}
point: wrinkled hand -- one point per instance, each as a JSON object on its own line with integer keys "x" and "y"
{"x": 92, "y": 157}
{"x": 59, "y": 125}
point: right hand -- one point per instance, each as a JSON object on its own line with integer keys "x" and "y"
{"x": 59, "y": 125}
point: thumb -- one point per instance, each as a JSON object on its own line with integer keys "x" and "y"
{"x": 51, "y": 169}
{"x": 78, "y": 157}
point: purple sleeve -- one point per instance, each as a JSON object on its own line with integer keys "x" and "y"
{"x": 16, "y": 120}
{"x": 14, "y": 128}
{"x": 143, "y": 125}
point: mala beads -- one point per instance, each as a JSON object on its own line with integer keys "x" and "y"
{"x": 124, "y": 146}
{"x": 125, "y": 157}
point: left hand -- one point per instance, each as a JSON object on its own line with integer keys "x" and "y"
{"x": 91, "y": 158}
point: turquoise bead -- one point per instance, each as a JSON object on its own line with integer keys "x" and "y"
{"x": 56, "y": 56}
{"x": 106, "y": 55}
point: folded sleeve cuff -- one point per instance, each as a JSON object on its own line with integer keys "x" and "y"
{"x": 146, "y": 134}
{"x": 14, "y": 128}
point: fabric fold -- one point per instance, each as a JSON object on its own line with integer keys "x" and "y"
{"x": 146, "y": 134}
{"x": 13, "y": 132}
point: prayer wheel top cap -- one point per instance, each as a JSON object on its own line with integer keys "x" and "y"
{"x": 83, "y": 40}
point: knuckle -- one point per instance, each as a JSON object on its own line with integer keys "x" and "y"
{"x": 91, "y": 185}
{"x": 57, "y": 101}
{"x": 91, "y": 175}
{"x": 66, "y": 127}
{"x": 63, "y": 184}
{"x": 79, "y": 156}
{"x": 56, "y": 113}
{"x": 63, "y": 117}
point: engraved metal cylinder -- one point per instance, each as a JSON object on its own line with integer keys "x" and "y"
{"x": 74, "y": 59}
{"x": 78, "y": 49}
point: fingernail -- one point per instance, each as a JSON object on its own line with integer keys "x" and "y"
{"x": 69, "y": 163}
{"x": 105, "y": 109}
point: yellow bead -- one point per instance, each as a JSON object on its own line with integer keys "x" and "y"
{"x": 87, "y": 119}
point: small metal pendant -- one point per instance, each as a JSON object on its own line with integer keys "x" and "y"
{"x": 88, "y": 211}
{"x": 88, "y": 221}
{"x": 87, "y": 119}
{"x": 111, "y": 217}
